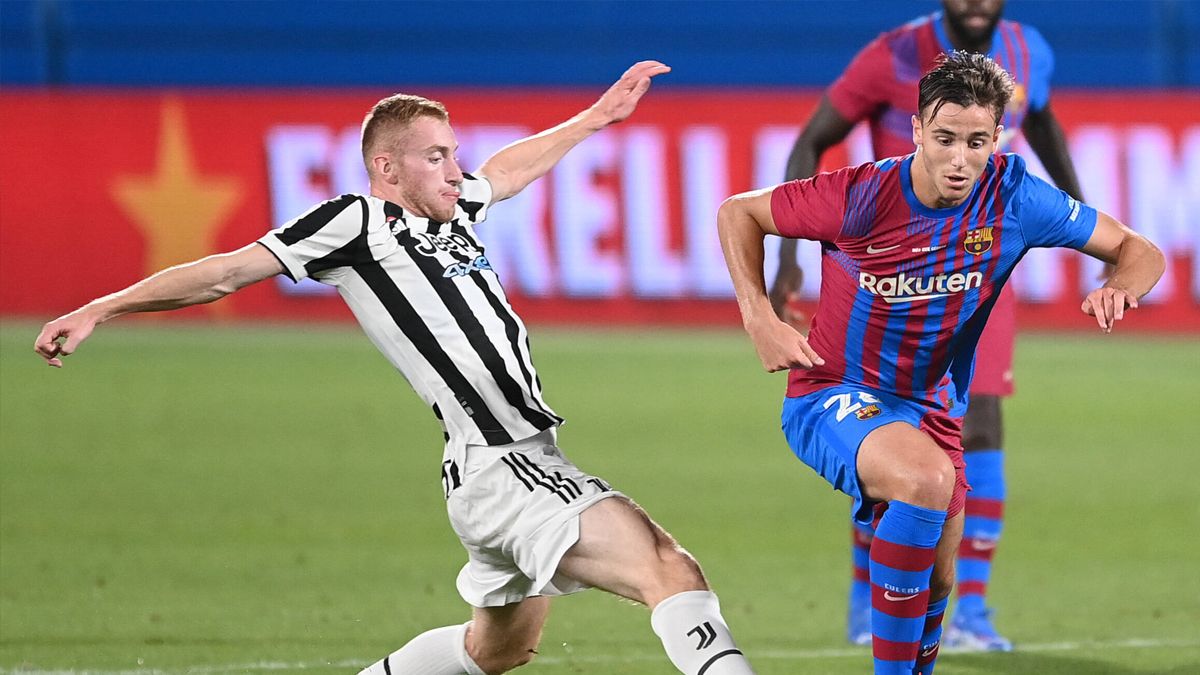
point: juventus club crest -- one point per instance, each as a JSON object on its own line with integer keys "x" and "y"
{"x": 978, "y": 241}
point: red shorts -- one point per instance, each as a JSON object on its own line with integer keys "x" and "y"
{"x": 994, "y": 355}
{"x": 946, "y": 431}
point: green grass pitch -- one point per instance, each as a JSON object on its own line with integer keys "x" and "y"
{"x": 198, "y": 499}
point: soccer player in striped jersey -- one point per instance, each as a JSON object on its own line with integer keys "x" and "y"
{"x": 406, "y": 259}
{"x": 880, "y": 86}
{"x": 915, "y": 252}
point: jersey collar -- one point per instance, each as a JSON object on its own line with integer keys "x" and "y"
{"x": 393, "y": 210}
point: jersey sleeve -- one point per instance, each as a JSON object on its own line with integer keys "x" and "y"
{"x": 475, "y": 196}
{"x": 860, "y": 88}
{"x": 811, "y": 208}
{"x": 1048, "y": 216}
{"x": 1041, "y": 67}
{"x": 331, "y": 234}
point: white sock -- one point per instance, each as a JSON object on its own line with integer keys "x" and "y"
{"x": 441, "y": 651}
{"x": 695, "y": 635}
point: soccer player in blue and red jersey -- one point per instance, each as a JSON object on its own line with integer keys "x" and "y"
{"x": 880, "y": 87}
{"x": 915, "y": 252}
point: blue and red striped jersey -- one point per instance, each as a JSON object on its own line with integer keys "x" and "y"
{"x": 906, "y": 289}
{"x": 880, "y": 84}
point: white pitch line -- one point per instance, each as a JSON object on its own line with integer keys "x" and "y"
{"x": 770, "y": 654}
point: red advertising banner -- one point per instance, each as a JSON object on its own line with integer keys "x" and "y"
{"x": 99, "y": 189}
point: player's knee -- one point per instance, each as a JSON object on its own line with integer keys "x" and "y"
{"x": 931, "y": 484}
{"x": 676, "y": 571}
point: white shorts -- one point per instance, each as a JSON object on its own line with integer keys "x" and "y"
{"x": 516, "y": 510}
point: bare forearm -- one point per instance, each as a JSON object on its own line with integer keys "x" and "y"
{"x": 742, "y": 222}
{"x": 742, "y": 243}
{"x": 193, "y": 283}
{"x": 802, "y": 162}
{"x": 1139, "y": 265}
{"x": 519, "y": 164}
{"x": 523, "y": 162}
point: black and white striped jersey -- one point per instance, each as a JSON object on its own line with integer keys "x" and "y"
{"x": 427, "y": 297}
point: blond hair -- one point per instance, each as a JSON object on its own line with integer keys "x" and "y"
{"x": 391, "y": 115}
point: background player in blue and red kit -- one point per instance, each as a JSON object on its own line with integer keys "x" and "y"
{"x": 880, "y": 86}
{"x": 915, "y": 252}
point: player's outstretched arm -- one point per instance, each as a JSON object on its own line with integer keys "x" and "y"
{"x": 192, "y": 283}
{"x": 524, "y": 161}
{"x": 742, "y": 222}
{"x": 1138, "y": 266}
{"x": 825, "y": 129}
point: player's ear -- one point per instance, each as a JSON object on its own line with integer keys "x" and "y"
{"x": 996, "y": 135}
{"x": 385, "y": 168}
{"x": 916, "y": 125}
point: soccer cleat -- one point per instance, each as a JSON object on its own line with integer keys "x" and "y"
{"x": 858, "y": 625}
{"x": 974, "y": 632}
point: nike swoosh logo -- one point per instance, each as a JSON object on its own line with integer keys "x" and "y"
{"x": 930, "y": 650}
{"x": 887, "y": 595}
{"x": 872, "y": 250}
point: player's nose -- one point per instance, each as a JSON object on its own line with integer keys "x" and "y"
{"x": 959, "y": 156}
{"x": 454, "y": 174}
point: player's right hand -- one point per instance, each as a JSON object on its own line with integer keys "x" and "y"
{"x": 622, "y": 97}
{"x": 782, "y": 347}
{"x": 1108, "y": 305}
{"x": 71, "y": 329}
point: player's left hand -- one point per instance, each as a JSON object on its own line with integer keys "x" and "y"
{"x": 1108, "y": 305}
{"x": 622, "y": 98}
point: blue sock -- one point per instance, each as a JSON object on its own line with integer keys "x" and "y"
{"x": 902, "y": 556}
{"x": 981, "y": 528}
{"x": 931, "y": 638}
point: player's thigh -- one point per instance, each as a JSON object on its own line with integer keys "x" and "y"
{"x": 623, "y": 551}
{"x": 899, "y": 461}
{"x": 503, "y": 637}
{"x": 826, "y": 429}
{"x": 517, "y": 512}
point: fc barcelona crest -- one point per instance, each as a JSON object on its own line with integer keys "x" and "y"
{"x": 867, "y": 412}
{"x": 978, "y": 242}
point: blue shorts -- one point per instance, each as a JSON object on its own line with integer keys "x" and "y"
{"x": 826, "y": 428}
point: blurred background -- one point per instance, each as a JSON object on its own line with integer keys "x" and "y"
{"x": 147, "y": 133}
